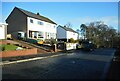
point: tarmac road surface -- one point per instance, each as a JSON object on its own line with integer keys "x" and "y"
{"x": 76, "y": 65}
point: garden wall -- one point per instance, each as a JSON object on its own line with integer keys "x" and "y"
{"x": 70, "y": 46}
{"x": 14, "y": 53}
{"x": 3, "y": 42}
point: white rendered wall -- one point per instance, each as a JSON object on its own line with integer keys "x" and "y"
{"x": 46, "y": 27}
{"x": 70, "y": 46}
{"x": 72, "y": 35}
{"x": 3, "y": 30}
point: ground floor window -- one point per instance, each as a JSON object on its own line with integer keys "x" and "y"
{"x": 36, "y": 34}
{"x": 40, "y": 34}
{"x": 49, "y": 35}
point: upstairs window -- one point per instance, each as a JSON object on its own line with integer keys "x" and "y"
{"x": 40, "y": 23}
{"x": 31, "y": 21}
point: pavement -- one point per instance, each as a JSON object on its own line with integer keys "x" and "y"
{"x": 19, "y": 59}
{"x": 114, "y": 72}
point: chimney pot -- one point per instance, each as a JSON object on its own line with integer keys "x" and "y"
{"x": 38, "y": 14}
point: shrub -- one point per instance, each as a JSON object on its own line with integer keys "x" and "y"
{"x": 77, "y": 41}
{"x": 53, "y": 41}
{"x": 71, "y": 40}
{"x": 3, "y": 48}
{"x": 32, "y": 41}
{"x": 47, "y": 41}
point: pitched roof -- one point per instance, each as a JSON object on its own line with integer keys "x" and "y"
{"x": 68, "y": 29}
{"x": 33, "y": 15}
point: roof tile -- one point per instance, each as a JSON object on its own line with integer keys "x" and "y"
{"x": 30, "y": 14}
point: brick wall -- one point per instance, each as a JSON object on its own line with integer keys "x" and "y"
{"x": 3, "y": 42}
{"x": 14, "y": 53}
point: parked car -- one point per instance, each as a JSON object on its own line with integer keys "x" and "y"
{"x": 87, "y": 46}
{"x": 40, "y": 41}
{"x": 35, "y": 41}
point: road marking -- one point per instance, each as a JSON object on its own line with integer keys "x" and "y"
{"x": 31, "y": 59}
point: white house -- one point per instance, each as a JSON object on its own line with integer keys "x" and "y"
{"x": 3, "y": 30}
{"x": 65, "y": 33}
{"x": 34, "y": 26}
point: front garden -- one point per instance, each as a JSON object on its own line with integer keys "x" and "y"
{"x": 8, "y": 47}
{"x": 11, "y": 49}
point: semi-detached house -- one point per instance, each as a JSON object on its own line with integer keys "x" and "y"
{"x": 65, "y": 33}
{"x": 33, "y": 25}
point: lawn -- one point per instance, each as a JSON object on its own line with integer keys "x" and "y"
{"x": 5, "y": 47}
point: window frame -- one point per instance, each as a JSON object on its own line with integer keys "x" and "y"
{"x": 31, "y": 20}
{"x": 40, "y": 23}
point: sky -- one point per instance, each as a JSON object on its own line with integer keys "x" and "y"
{"x": 60, "y": 0}
{"x": 76, "y": 13}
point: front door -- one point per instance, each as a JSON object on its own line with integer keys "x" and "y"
{"x": 35, "y": 34}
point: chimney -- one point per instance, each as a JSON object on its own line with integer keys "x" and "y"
{"x": 64, "y": 25}
{"x": 38, "y": 14}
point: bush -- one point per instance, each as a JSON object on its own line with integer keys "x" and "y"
{"x": 53, "y": 41}
{"x": 71, "y": 40}
{"x": 77, "y": 41}
{"x": 32, "y": 41}
{"x": 3, "y": 48}
{"x": 47, "y": 41}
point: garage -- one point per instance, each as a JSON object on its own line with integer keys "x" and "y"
{"x": 3, "y": 30}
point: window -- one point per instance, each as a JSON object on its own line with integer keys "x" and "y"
{"x": 31, "y": 20}
{"x": 52, "y": 35}
{"x": 48, "y": 25}
{"x": 40, "y": 23}
{"x": 40, "y": 35}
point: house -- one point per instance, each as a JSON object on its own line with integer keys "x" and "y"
{"x": 65, "y": 33}
{"x": 35, "y": 26}
{"x": 3, "y": 30}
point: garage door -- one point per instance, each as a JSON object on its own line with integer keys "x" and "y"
{"x": 2, "y": 33}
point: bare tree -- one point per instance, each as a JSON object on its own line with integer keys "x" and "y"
{"x": 69, "y": 25}
{"x": 100, "y": 34}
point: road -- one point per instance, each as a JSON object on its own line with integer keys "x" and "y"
{"x": 76, "y": 65}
